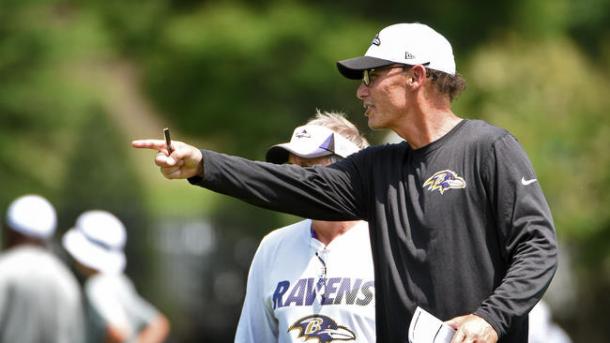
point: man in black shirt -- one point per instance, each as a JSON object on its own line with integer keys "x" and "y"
{"x": 458, "y": 222}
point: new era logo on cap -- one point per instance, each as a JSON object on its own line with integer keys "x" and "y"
{"x": 409, "y": 44}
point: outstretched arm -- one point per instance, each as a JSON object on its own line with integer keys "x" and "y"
{"x": 323, "y": 193}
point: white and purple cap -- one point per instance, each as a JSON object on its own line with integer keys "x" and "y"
{"x": 406, "y": 43}
{"x": 97, "y": 241}
{"x": 312, "y": 141}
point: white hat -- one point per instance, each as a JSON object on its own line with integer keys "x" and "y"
{"x": 312, "y": 141}
{"x": 408, "y": 44}
{"x": 32, "y": 215}
{"x": 97, "y": 241}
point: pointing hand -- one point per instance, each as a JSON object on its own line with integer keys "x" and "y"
{"x": 185, "y": 160}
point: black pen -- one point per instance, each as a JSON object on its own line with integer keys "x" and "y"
{"x": 168, "y": 141}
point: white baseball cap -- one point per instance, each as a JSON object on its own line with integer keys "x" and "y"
{"x": 312, "y": 141}
{"x": 97, "y": 241}
{"x": 408, "y": 44}
{"x": 32, "y": 215}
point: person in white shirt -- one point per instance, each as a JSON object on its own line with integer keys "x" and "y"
{"x": 40, "y": 299}
{"x": 116, "y": 312}
{"x": 542, "y": 327}
{"x": 313, "y": 279}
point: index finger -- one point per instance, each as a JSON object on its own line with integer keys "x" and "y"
{"x": 153, "y": 144}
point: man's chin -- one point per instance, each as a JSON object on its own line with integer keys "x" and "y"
{"x": 374, "y": 125}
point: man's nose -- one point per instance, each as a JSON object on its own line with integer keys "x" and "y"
{"x": 362, "y": 91}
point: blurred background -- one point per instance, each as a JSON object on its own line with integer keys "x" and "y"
{"x": 80, "y": 79}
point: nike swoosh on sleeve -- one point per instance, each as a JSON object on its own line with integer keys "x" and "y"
{"x": 527, "y": 182}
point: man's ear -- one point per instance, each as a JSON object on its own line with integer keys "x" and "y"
{"x": 418, "y": 73}
{"x": 417, "y": 76}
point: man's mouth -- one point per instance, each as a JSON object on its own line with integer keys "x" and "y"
{"x": 367, "y": 108}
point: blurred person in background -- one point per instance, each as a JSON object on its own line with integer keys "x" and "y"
{"x": 40, "y": 299}
{"x": 542, "y": 327}
{"x": 115, "y": 311}
{"x": 313, "y": 279}
{"x": 459, "y": 223}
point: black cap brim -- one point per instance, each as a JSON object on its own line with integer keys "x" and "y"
{"x": 354, "y": 67}
{"x": 277, "y": 155}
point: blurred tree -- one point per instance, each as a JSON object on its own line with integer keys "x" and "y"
{"x": 39, "y": 100}
{"x": 132, "y": 25}
{"x": 99, "y": 176}
{"x": 228, "y": 71}
{"x": 242, "y": 74}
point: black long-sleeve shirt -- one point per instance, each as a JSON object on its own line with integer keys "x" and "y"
{"x": 458, "y": 226}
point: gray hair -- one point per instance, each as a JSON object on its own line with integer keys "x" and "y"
{"x": 337, "y": 122}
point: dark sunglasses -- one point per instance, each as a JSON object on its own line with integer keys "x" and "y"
{"x": 366, "y": 74}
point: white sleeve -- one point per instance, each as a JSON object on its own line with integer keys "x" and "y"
{"x": 106, "y": 304}
{"x": 257, "y": 323}
{"x": 4, "y": 294}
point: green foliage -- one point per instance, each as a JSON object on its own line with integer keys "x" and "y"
{"x": 229, "y": 71}
{"x": 131, "y": 25}
{"x": 554, "y": 101}
{"x": 99, "y": 177}
{"x": 40, "y": 100}
{"x": 242, "y": 74}
{"x": 528, "y": 20}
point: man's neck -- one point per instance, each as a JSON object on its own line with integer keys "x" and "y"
{"x": 421, "y": 129}
{"x": 14, "y": 239}
{"x": 327, "y": 231}
{"x": 428, "y": 118}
